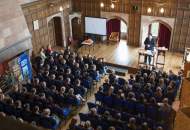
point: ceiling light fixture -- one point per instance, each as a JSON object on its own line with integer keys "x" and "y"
{"x": 101, "y": 4}
{"x": 162, "y": 10}
{"x": 149, "y": 10}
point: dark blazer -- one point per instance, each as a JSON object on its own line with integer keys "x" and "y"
{"x": 150, "y": 43}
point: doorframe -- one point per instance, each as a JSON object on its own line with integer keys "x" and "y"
{"x": 71, "y": 17}
{"x": 60, "y": 14}
{"x": 147, "y": 20}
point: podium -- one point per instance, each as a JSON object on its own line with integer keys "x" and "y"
{"x": 156, "y": 55}
{"x": 142, "y": 53}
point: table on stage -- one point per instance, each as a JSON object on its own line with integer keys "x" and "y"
{"x": 88, "y": 43}
{"x": 142, "y": 53}
{"x": 159, "y": 51}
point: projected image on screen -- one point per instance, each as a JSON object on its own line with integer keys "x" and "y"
{"x": 95, "y": 26}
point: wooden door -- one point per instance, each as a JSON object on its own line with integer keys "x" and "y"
{"x": 58, "y": 31}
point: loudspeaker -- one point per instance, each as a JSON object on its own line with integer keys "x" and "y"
{"x": 135, "y": 7}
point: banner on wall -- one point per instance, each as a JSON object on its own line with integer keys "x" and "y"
{"x": 25, "y": 66}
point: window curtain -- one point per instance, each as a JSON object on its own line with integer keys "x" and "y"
{"x": 113, "y": 25}
{"x": 164, "y": 36}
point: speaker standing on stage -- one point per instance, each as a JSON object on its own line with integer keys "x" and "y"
{"x": 149, "y": 46}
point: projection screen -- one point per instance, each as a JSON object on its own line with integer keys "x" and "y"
{"x": 95, "y": 26}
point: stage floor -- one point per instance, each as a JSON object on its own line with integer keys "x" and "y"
{"x": 125, "y": 55}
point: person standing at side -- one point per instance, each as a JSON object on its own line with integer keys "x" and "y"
{"x": 149, "y": 47}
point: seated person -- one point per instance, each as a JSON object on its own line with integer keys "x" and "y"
{"x": 68, "y": 74}
{"x": 106, "y": 116}
{"x": 131, "y": 80}
{"x": 106, "y": 85}
{"x": 79, "y": 89}
{"x": 62, "y": 91}
{"x": 75, "y": 99}
{"x": 100, "y": 66}
{"x": 88, "y": 125}
{"x": 158, "y": 94}
{"x": 36, "y": 110}
{"x": 42, "y": 54}
{"x": 67, "y": 84}
{"x": 49, "y": 50}
{"x": 111, "y": 128}
{"x": 67, "y": 50}
{"x": 52, "y": 122}
{"x": 159, "y": 128}
{"x": 165, "y": 111}
{"x": 99, "y": 128}
{"x": 73, "y": 124}
{"x": 132, "y": 124}
{"x": 77, "y": 71}
{"x": 94, "y": 73}
{"x": 93, "y": 115}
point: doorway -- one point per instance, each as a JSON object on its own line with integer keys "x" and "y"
{"x": 160, "y": 31}
{"x": 55, "y": 32}
{"x": 162, "y": 34}
{"x": 76, "y": 28}
{"x": 58, "y": 31}
{"x": 117, "y": 25}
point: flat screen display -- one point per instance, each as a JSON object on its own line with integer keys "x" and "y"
{"x": 95, "y": 26}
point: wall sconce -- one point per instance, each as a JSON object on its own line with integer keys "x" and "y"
{"x": 101, "y": 4}
{"x": 149, "y": 10}
{"x": 112, "y": 6}
{"x": 161, "y": 10}
{"x": 60, "y": 8}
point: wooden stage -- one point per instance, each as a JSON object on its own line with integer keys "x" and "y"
{"x": 122, "y": 54}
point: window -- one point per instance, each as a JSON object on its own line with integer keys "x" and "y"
{"x": 123, "y": 27}
{"x": 155, "y": 29}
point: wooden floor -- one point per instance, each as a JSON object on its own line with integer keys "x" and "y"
{"x": 123, "y": 54}
{"x": 182, "y": 121}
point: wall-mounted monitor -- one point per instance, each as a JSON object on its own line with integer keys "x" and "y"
{"x": 95, "y": 26}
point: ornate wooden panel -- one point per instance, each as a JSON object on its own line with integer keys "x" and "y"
{"x": 178, "y": 9}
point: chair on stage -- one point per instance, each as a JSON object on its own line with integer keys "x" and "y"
{"x": 114, "y": 37}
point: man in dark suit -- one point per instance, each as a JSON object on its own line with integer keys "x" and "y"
{"x": 149, "y": 45}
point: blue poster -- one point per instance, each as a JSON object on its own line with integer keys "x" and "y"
{"x": 25, "y": 66}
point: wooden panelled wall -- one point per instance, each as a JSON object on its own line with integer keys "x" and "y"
{"x": 40, "y": 10}
{"x": 178, "y": 9}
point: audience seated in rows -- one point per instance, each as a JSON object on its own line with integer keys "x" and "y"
{"x": 62, "y": 81}
{"x": 108, "y": 121}
{"x": 143, "y": 101}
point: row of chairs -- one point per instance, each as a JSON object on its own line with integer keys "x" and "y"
{"x": 125, "y": 115}
{"x": 132, "y": 107}
{"x": 29, "y": 116}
